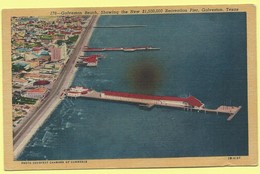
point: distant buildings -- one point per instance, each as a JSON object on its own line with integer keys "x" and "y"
{"x": 39, "y": 51}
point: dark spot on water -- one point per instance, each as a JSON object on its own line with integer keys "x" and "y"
{"x": 145, "y": 76}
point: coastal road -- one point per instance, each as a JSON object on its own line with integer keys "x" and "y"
{"x": 59, "y": 85}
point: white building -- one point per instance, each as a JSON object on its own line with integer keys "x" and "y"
{"x": 35, "y": 93}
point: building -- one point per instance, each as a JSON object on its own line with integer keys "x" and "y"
{"x": 37, "y": 76}
{"x": 49, "y": 66}
{"x": 29, "y": 56}
{"x": 64, "y": 54}
{"x": 91, "y": 60}
{"x": 36, "y": 50}
{"x": 20, "y": 41}
{"x": 41, "y": 83}
{"x": 46, "y": 40}
{"x": 76, "y": 33}
{"x": 20, "y": 81}
{"x": 58, "y": 53}
{"x": 59, "y": 37}
{"x": 55, "y": 53}
{"x": 160, "y": 100}
{"x": 44, "y": 56}
{"x": 58, "y": 66}
{"x": 34, "y": 63}
{"x": 77, "y": 91}
{"x": 35, "y": 93}
{"x": 74, "y": 94}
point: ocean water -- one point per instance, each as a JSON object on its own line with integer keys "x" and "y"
{"x": 203, "y": 55}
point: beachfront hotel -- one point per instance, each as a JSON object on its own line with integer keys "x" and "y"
{"x": 58, "y": 52}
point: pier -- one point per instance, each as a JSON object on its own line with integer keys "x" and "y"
{"x": 121, "y": 26}
{"x": 91, "y": 60}
{"x": 126, "y": 49}
{"x": 96, "y": 55}
{"x": 189, "y": 103}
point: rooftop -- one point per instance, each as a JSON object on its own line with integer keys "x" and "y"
{"x": 41, "y": 82}
{"x": 91, "y": 59}
{"x": 37, "y": 90}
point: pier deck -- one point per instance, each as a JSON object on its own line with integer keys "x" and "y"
{"x": 126, "y": 49}
{"x": 121, "y": 26}
{"x": 230, "y": 111}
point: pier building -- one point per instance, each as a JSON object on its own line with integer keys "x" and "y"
{"x": 190, "y": 103}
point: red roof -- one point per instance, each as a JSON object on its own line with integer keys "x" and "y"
{"x": 47, "y": 28}
{"x": 91, "y": 59}
{"x": 41, "y": 82}
{"x": 190, "y": 100}
{"x": 36, "y": 48}
{"x": 77, "y": 28}
{"x": 85, "y": 92}
{"x": 194, "y": 101}
{"x": 76, "y": 32}
{"x": 94, "y": 55}
{"x": 37, "y": 90}
{"x": 51, "y": 33}
{"x": 73, "y": 92}
{"x": 65, "y": 32}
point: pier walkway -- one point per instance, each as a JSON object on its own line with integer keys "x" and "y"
{"x": 126, "y": 49}
{"x": 189, "y": 103}
{"x": 121, "y": 26}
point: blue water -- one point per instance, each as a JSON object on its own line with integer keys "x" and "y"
{"x": 203, "y": 55}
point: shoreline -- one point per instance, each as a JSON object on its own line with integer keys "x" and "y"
{"x": 64, "y": 82}
{"x": 44, "y": 117}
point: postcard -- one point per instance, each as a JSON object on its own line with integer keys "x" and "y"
{"x": 130, "y": 87}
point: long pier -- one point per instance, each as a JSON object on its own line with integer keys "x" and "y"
{"x": 121, "y": 26}
{"x": 190, "y": 103}
{"x": 126, "y": 49}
